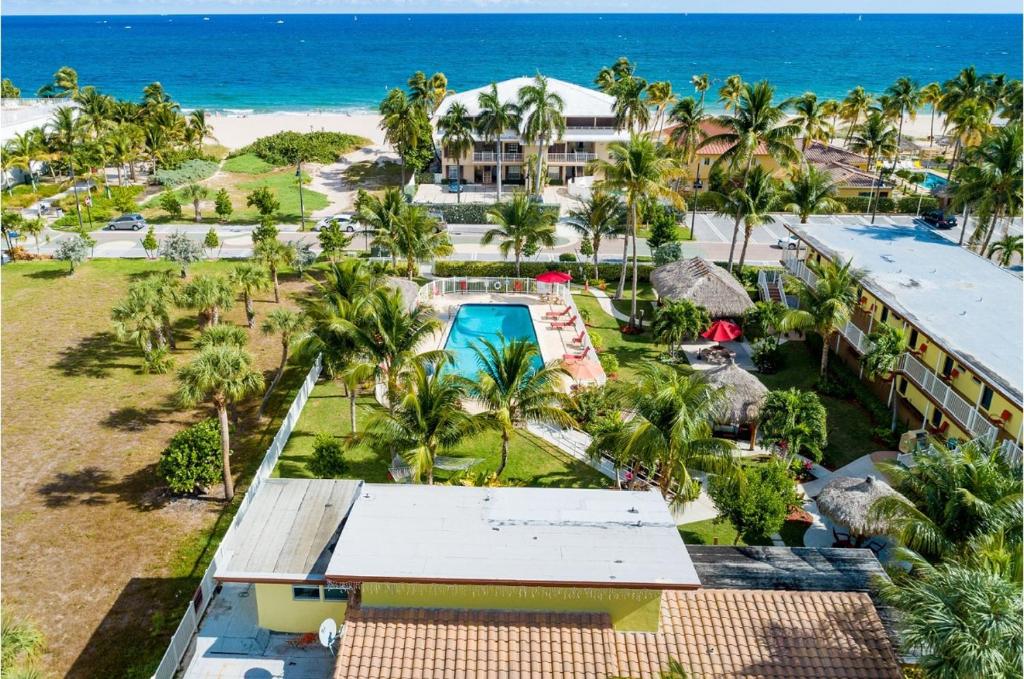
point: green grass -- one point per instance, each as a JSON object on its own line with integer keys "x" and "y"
{"x": 706, "y": 532}
{"x": 792, "y": 533}
{"x": 849, "y": 424}
{"x": 630, "y": 350}
{"x": 247, "y": 163}
{"x": 532, "y": 462}
{"x": 286, "y": 189}
{"x": 381, "y": 174}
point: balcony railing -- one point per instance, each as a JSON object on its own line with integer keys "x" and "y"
{"x": 1012, "y": 452}
{"x": 770, "y": 284}
{"x": 963, "y": 412}
{"x": 798, "y": 268}
{"x": 577, "y": 157}
{"x": 492, "y": 157}
{"x": 856, "y": 337}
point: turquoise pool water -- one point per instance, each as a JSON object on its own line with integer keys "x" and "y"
{"x": 475, "y": 322}
{"x": 933, "y": 181}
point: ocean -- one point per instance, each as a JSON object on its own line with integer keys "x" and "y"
{"x": 348, "y": 62}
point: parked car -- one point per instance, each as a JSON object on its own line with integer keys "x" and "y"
{"x": 438, "y": 216}
{"x": 345, "y": 219}
{"x": 788, "y": 243}
{"x": 938, "y": 220}
{"x": 129, "y": 222}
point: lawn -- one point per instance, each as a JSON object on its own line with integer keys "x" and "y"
{"x": 630, "y": 350}
{"x": 849, "y": 424}
{"x": 713, "y": 532}
{"x": 247, "y": 163}
{"x": 373, "y": 175}
{"x": 532, "y": 462}
{"x": 83, "y": 430}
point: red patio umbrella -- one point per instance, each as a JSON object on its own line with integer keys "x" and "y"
{"x": 554, "y": 277}
{"x": 722, "y": 331}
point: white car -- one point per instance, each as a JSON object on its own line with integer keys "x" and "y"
{"x": 788, "y": 243}
{"x": 345, "y": 219}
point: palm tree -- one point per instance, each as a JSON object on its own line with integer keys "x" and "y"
{"x": 200, "y": 128}
{"x": 456, "y": 128}
{"x": 222, "y": 375}
{"x": 165, "y": 289}
{"x": 542, "y": 119}
{"x": 418, "y": 237}
{"x": 1012, "y": 106}
{"x": 274, "y": 255}
{"x": 224, "y": 334}
{"x": 906, "y": 98}
{"x": 811, "y": 191}
{"x": 969, "y": 124}
{"x": 496, "y": 117}
{"x": 752, "y": 203}
{"x": 670, "y": 430}
{"x": 966, "y": 86}
{"x": 631, "y": 108}
{"x": 687, "y": 116}
{"x": 796, "y": 419}
{"x": 994, "y": 177}
{"x": 831, "y": 109}
{"x": 63, "y": 132}
{"x": 931, "y": 96}
{"x": 639, "y": 171}
{"x": 602, "y": 215}
{"x": 812, "y": 119}
{"x": 677, "y": 321}
{"x": 34, "y": 227}
{"x": 137, "y": 319}
{"x": 356, "y": 374}
{"x": 194, "y": 193}
{"x": 514, "y": 390}
{"x": 288, "y": 325}
{"x": 731, "y": 91}
{"x": 428, "y": 420}
{"x": 94, "y": 111}
{"x": 122, "y": 149}
{"x": 661, "y": 96}
{"x": 404, "y": 123}
{"x": 826, "y": 304}
{"x": 381, "y": 213}
{"x": 521, "y": 225}
{"x": 1006, "y": 248}
{"x": 755, "y": 121}
{"x": 428, "y": 93}
{"x": 856, "y": 104}
{"x": 610, "y": 76}
{"x": 209, "y": 295}
{"x": 701, "y": 83}
{"x": 876, "y": 139}
{"x": 249, "y": 279}
{"x": 22, "y": 150}
{"x": 64, "y": 84}
{"x": 880, "y": 361}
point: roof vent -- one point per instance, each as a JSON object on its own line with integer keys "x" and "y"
{"x": 634, "y": 510}
{"x": 889, "y": 258}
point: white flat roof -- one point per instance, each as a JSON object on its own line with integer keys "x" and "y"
{"x": 535, "y": 536}
{"x": 966, "y": 303}
{"x": 579, "y": 101}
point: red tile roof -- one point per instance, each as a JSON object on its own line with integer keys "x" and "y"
{"x": 712, "y": 632}
{"x": 717, "y": 148}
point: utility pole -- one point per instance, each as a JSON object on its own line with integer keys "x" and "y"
{"x": 302, "y": 210}
{"x": 697, "y": 185}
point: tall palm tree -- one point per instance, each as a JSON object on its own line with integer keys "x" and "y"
{"x": 274, "y": 255}
{"x": 601, "y": 215}
{"x": 122, "y": 149}
{"x": 514, "y": 390}
{"x": 22, "y": 150}
{"x": 610, "y": 76}
{"x": 856, "y": 104}
{"x": 428, "y": 93}
{"x": 886, "y": 345}
{"x": 380, "y": 214}
{"x": 456, "y": 128}
{"x": 671, "y": 426}
{"x": 812, "y": 119}
{"x": 993, "y": 177}
{"x": 1012, "y": 106}
{"x": 405, "y": 124}
{"x": 200, "y": 128}
{"x": 419, "y": 238}
{"x": 876, "y": 139}
{"x": 753, "y": 203}
{"x": 831, "y": 109}
{"x": 222, "y": 375}
{"x": 542, "y": 119}
{"x": 811, "y": 191}
{"x": 631, "y": 108}
{"x": 969, "y": 124}
{"x": 495, "y": 119}
{"x": 288, "y": 325}
{"x": 661, "y": 96}
{"x": 428, "y": 420}
{"x": 1006, "y": 247}
{"x": 209, "y": 295}
{"x": 906, "y": 98}
{"x": 639, "y": 171}
{"x": 968, "y": 85}
{"x": 687, "y": 117}
{"x": 94, "y": 109}
{"x": 756, "y": 121}
{"x": 521, "y": 225}
{"x": 730, "y": 92}
{"x": 931, "y": 96}
{"x": 701, "y": 83}
{"x": 195, "y": 193}
{"x": 63, "y": 86}
{"x": 64, "y": 131}
{"x": 825, "y": 305}
{"x": 249, "y": 279}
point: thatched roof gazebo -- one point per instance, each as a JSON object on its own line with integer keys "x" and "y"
{"x": 409, "y": 290}
{"x": 847, "y": 502}
{"x": 746, "y": 395}
{"x": 705, "y": 284}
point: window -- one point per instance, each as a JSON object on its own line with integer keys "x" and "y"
{"x": 986, "y": 398}
{"x": 913, "y": 340}
{"x": 514, "y": 172}
{"x": 903, "y": 386}
{"x": 335, "y": 594}
{"x": 885, "y": 314}
{"x": 707, "y": 161}
{"x": 936, "y": 418}
{"x": 303, "y": 593}
{"x": 453, "y": 172}
{"x": 947, "y": 366}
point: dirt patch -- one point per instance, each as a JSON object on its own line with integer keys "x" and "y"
{"x": 94, "y": 548}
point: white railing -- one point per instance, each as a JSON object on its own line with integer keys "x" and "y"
{"x": 491, "y": 156}
{"x": 798, "y": 268}
{"x": 1012, "y": 452}
{"x": 964, "y": 413}
{"x": 578, "y": 157}
{"x": 769, "y": 280}
{"x": 182, "y": 637}
{"x": 856, "y": 337}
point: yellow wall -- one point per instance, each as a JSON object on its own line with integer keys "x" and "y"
{"x": 631, "y": 610}
{"x": 279, "y": 612}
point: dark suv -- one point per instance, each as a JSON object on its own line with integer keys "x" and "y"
{"x": 936, "y": 219}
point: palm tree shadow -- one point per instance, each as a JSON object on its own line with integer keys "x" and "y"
{"x": 141, "y": 489}
{"x": 93, "y": 356}
{"x": 49, "y": 274}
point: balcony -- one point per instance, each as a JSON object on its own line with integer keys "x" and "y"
{"x": 963, "y": 413}
{"x": 492, "y": 157}
{"x": 580, "y": 157}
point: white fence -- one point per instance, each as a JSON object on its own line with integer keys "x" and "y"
{"x": 204, "y": 594}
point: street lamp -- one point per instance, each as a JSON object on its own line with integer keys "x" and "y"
{"x": 697, "y": 186}
{"x": 302, "y": 210}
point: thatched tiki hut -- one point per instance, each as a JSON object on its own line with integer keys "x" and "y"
{"x": 847, "y": 502}
{"x": 409, "y": 290}
{"x": 746, "y": 395}
{"x": 705, "y": 284}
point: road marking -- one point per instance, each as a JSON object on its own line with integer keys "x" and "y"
{"x": 711, "y": 225}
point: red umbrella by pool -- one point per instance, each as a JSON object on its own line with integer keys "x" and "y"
{"x": 722, "y": 331}
{"x": 554, "y": 277}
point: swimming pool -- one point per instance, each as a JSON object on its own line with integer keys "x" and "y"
{"x": 933, "y": 181}
{"x": 475, "y": 322}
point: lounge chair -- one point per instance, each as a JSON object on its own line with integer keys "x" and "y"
{"x": 557, "y": 314}
{"x": 558, "y": 325}
{"x": 576, "y": 357}
{"x": 578, "y": 339}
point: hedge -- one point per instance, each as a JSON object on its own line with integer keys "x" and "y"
{"x": 470, "y": 213}
{"x": 188, "y": 172}
{"x": 284, "y": 148}
{"x": 608, "y": 272}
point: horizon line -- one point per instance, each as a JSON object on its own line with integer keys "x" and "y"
{"x": 504, "y": 12}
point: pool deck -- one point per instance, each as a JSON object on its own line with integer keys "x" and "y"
{"x": 554, "y": 343}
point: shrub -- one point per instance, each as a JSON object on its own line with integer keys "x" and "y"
{"x": 860, "y": 204}
{"x": 589, "y": 404}
{"x": 174, "y": 159}
{"x": 285, "y": 148}
{"x": 470, "y": 213}
{"x": 566, "y": 257}
{"x": 758, "y": 502}
{"x": 689, "y": 491}
{"x": 424, "y": 177}
{"x": 247, "y": 163}
{"x": 609, "y": 363}
{"x": 157, "y": 361}
{"x": 795, "y": 420}
{"x": 222, "y": 205}
{"x": 192, "y": 460}
{"x": 530, "y": 269}
{"x": 264, "y": 200}
{"x": 328, "y": 460}
{"x": 188, "y": 172}
{"x": 766, "y": 355}
{"x": 909, "y": 204}
{"x": 123, "y": 199}
{"x": 170, "y": 204}
{"x": 181, "y": 250}
{"x": 667, "y": 253}
{"x": 73, "y": 251}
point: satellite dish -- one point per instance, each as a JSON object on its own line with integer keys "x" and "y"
{"x": 328, "y": 632}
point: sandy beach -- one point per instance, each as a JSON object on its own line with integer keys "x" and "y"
{"x": 235, "y": 131}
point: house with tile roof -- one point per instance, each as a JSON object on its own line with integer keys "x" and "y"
{"x": 849, "y": 171}
{"x": 535, "y": 582}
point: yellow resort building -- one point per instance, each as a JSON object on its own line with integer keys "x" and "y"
{"x": 962, "y": 374}
{"x": 590, "y": 128}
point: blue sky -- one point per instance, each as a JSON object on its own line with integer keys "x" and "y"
{"x": 414, "y": 6}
